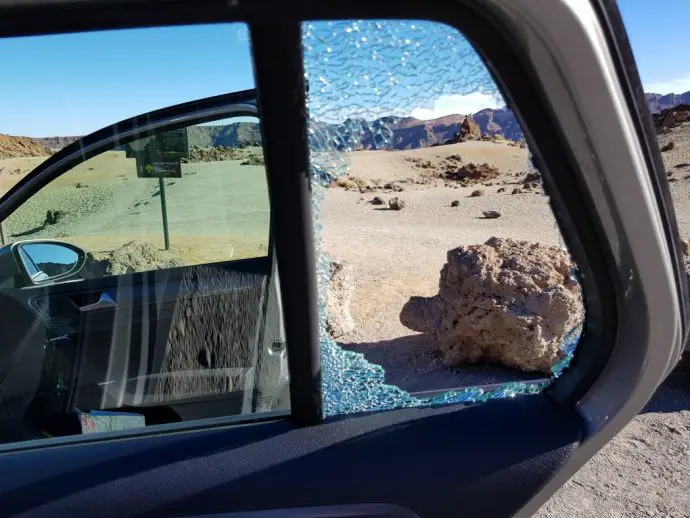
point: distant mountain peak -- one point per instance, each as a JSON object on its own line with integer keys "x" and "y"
{"x": 389, "y": 131}
{"x": 659, "y": 102}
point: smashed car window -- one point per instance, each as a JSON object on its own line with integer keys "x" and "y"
{"x": 443, "y": 276}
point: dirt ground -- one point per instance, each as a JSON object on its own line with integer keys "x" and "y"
{"x": 645, "y": 471}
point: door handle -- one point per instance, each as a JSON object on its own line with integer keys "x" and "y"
{"x": 103, "y": 302}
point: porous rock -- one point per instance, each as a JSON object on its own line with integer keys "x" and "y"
{"x": 340, "y": 288}
{"x": 506, "y": 301}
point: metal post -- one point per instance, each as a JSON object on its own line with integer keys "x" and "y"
{"x": 164, "y": 211}
{"x": 3, "y": 174}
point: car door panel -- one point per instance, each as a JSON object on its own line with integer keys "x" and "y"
{"x": 199, "y": 473}
{"x": 113, "y": 357}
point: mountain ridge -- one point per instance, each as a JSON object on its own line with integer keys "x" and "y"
{"x": 388, "y": 132}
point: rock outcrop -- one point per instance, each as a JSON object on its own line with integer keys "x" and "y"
{"x": 506, "y": 301}
{"x": 135, "y": 256}
{"x": 472, "y": 173}
{"x": 671, "y": 117}
{"x": 339, "y": 321}
{"x": 16, "y": 147}
{"x": 469, "y": 130}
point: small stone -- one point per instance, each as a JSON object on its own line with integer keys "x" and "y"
{"x": 454, "y": 203}
{"x": 532, "y": 177}
{"x": 491, "y": 214}
{"x": 668, "y": 147}
{"x": 685, "y": 246}
{"x": 394, "y": 187}
{"x": 516, "y": 191}
{"x": 396, "y": 204}
{"x": 477, "y": 193}
{"x": 672, "y": 180}
{"x": 502, "y": 189}
{"x": 377, "y": 201}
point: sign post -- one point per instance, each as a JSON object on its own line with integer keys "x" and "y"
{"x": 164, "y": 211}
{"x": 3, "y": 174}
{"x": 159, "y": 157}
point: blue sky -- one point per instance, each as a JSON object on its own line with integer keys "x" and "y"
{"x": 74, "y": 84}
{"x": 660, "y": 42}
{"x": 77, "y": 83}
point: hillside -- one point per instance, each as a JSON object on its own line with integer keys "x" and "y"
{"x": 237, "y": 134}
{"x": 56, "y": 143}
{"x": 410, "y": 133}
{"x": 658, "y": 102}
{"x": 16, "y": 147}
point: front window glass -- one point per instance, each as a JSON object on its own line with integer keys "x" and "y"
{"x": 139, "y": 286}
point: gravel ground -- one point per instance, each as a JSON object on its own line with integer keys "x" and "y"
{"x": 644, "y": 470}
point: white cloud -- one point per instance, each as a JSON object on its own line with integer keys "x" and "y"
{"x": 458, "y": 104}
{"x": 678, "y": 85}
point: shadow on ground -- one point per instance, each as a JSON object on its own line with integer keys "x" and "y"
{"x": 414, "y": 364}
{"x": 674, "y": 394}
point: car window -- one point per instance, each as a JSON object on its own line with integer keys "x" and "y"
{"x": 138, "y": 287}
{"x": 445, "y": 278}
{"x": 211, "y": 205}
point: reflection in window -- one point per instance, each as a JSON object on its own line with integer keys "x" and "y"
{"x": 442, "y": 272}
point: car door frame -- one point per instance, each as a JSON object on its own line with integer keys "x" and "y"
{"x": 236, "y": 104}
{"x": 621, "y": 271}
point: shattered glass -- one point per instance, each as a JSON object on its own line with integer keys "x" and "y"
{"x": 361, "y": 76}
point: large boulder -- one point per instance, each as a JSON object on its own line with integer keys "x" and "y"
{"x": 505, "y": 301}
{"x": 339, "y": 321}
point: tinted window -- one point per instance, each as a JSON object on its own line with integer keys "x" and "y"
{"x": 138, "y": 287}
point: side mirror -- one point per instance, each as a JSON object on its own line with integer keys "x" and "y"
{"x": 45, "y": 261}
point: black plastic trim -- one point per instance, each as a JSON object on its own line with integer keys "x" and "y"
{"x": 486, "y": 460}
{"x": 280, "y": 83}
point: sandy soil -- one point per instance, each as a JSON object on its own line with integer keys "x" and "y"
{"x": 216, "y": 211}
{"x": 645, "y": 471}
